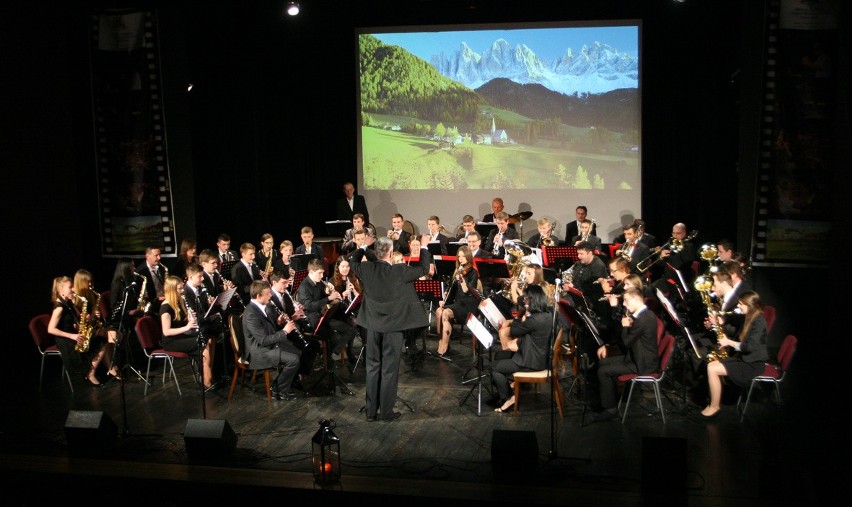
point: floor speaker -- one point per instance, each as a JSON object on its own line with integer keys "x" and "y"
{"x": 89, "y": 432}
{"x": 209, "y": 439}
{"x": 514, "y": 455}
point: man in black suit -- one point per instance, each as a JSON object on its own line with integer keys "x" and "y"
{"x": 674, "y": 261}
{"x": 358, "y": 224}
{"x": 308, "y": 247}
{"x": 474, "y": 242}
{"x": 285, "y": 305}
{"x": 633, "y": 249}
{"x": 316, "y": 296}
{"x": 642, "y": 236}
{"x": 436, "y": 233}
{"x": 245, "y": 272}
{"x": 544, "y": 235}
{"x": 586, "y": 235}
{"x": 496, "y": 207}
{"x": 639, "y": 337}
{"x": 155, "y": 274}
{"x": 573, "y": 228}
{"x": 399, "y": 236}
{"x": 494, "y": 244}
{"x": 267, "y": 345}
{"x": 390, "y": 308}
{"x": 350, "y": 204}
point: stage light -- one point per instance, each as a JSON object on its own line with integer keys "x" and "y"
{"x": 293, "y": 8}
{"x": 326, "y": 453}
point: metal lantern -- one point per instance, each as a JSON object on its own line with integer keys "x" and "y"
{"x": 326, "y": 453}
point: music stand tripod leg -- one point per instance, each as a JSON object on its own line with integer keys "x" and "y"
{"x": 478, "y": 386}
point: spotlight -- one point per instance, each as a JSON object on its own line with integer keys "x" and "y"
{"x": 293, "y": 8}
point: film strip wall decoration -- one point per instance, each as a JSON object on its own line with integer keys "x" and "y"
{"x": 793, "y": 189}
{"x": 134, "y": 190}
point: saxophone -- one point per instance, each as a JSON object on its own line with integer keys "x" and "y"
{"x": 83, "y": 328}
{"x": 703, "y": 284}
{"x": 144, "y": 304}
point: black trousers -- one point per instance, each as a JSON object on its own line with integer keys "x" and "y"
{"x": 384, "y": 351}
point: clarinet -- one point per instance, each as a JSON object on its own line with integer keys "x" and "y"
{"x": 294, "y": 336}
{"x": 303, "y": 323}
{"x": 191, "y": 315}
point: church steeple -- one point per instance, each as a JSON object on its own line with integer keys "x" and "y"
{"x": 493, "y": 126}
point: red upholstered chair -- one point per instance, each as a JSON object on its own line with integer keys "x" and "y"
{"x": 149, "y": 334}
{"x": 772, "y": 373}
{"x": 661, "y": 330}
{"x": 612, "y": 248}
{"x": 665, "y": 348}
{"x": 769, "y": 314}
{"x": 46, "y": 344}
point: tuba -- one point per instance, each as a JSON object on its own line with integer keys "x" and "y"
{"x": 84, "y": 329}
{"x": 710, "y": 254}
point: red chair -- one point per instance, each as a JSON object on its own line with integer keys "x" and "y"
{"x": 661, "y": 330}
{"x": 769, "y": 314}
{"x": 46, "y": 344}
{"x": 149, "y": 334}
{"x": 772, "y": 373}
{"x": 665, "y": 348}
{"x": 612, "y": 248}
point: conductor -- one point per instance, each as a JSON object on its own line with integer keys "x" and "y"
{"x": 390, "y": 307}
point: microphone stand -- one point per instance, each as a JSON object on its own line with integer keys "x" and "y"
{"x": 120, "y": 338}
{"x": 553, "y": 451}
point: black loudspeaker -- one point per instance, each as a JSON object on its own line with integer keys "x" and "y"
{"x": 664, "y": 471}
{"x": 209, "y": 439}
{"x": 514, "y": 455}
{"x": 89, "y": 432}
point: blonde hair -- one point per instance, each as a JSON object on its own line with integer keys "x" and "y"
{"x": 54, "y": 293}
{"x": 172, "y": 296}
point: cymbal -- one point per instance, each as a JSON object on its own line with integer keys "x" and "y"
{"x": 523, "y": 215}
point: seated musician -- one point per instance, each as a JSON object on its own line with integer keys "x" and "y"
{"x": 294, "y": 312}
{"x": 318, "y": 297}
{"x": 266, "y": 256}
{"x": 464, "y": 302}
{"x": 349, "y": 237}
{"x": 397, "y": 258}
{"x": 531, "y": 274}
{"x": 347, "y": 284}
{"x": 494, "y": 243}
{"x": 529, "y": 341}
{"x": 398, "y": 235}
{"x": 468, "y": 225}
{"x": 64, "y": 325}
{"x": 639, "y": 337}
{"x": 436, "y": 233}
{"x": 181, "y": 331}
{"x": 474, "y": 242}
{"x": 186, "y": 256}
{"x": 583, "y": 274}
{"x": 671, "y": 260}
{"x": 544, "y": 237}
{"x": 632, "y": 250}
{"x": 414, "y": 244}
{"x": 747, "y": 355}
{"x": 641, "y": 235}
{"x": 496, "y": 207}
{"x": 245, "y": 272}
{"x": 101, "y": 331}
{"x": 281, "y": 264}
{"x": 213, "y": 281}
{"x": 586, "y": 235}
{"x": 198, "y": 299}
{"x": 308, "y": 247}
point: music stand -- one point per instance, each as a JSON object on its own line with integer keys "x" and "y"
{"x": 226, "y": 268}
{"x": 431, "y": 291}
{"x": 328, "y": 371}
{"x": 351, "y": 311}
{"x": 552, "y": 255}
{"x": 685, "y": 331}
{"x": 337, "y": 227}
{"x": 484, "y": 340}
{"x": 435, "y": 248}
{"x": 453, "y": 247}
{"x": 580, "y": 321}
{"x": 445, "y": 266}
{"x": 484, "y": 229}
{"x": 299, "y": 262}
{"x": 298, "y": 277}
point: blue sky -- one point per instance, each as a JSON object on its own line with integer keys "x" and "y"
{"x": 547, "y": 43}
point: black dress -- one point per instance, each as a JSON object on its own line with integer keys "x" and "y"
{"x": 752, "y": 357}
{"x": 465, "y": 303}
{"x": 186, "y": 342}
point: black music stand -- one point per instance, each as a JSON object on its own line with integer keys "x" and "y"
{"x": 352, "y": 311}
{"x": 328, "y": 371}
{"x": 431, "y": 291}
{"x": 299, "y": 262}
{"x": 673, "y": 315}
{"x": 119, "y": 343}
{"x": 445, "y": 266}
{"x": 490, "y": 269}
{"x": 226, "y": 268}
{"x": 482, "y": 334}
{"x": 556, "y": 255}
{"x": 337, "y": 227}
{"x": 435, "y": 248}
{"x": 453, "y": 247}
{"x": 584, "y": 324}
{"x": 484, "y": 229}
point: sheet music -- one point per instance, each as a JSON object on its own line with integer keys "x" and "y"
{"x": 682, "y": 281}
{"x": 492, "y": 313}
{"x": 669, "y": 307}
{"x": 221, "y": 301}
{"x": 479, "y": 331}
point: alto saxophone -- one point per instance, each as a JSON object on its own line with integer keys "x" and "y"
{"x": 144, "y": 304}
{"x": 83, "y": 328}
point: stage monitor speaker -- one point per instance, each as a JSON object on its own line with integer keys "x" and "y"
{"x": 514, "y": 455}
{"x": 89, "y": 432}
{"x": 209, "y": 439}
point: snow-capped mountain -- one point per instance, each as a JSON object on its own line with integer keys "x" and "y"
{"x": 594, "y": 69}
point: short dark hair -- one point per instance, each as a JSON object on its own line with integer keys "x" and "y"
{"x": 537, "y": 299}
{"x": 223, "y": 237}
{"x": 585, "y": 245}
{"x": 585, "y": 209}
{"x": 256, "y": 288}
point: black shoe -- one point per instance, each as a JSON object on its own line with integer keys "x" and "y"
{"x": 371, "y": 418}
{"x": 91, "y": 384}
{"x": 391, "y": 418}
{"x": 297, "y": 384}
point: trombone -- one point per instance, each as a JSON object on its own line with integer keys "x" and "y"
{"x": 675, "y": 245}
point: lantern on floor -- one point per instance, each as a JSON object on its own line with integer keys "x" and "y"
{"x": 326, "y": 453}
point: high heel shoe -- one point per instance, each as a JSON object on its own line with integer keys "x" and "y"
{"x": 90, "y": 383}
{"x": 503, "y": 408}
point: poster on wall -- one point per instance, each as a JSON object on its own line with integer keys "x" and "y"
{"x": 131, "y": 160}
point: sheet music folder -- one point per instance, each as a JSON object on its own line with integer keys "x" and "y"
{"x": 221, "y": 302}
{"x": 479, "y": 331}
{"x": 550, "y": 255}
{"x": 491, "y": 268}
{"x": 430, "y": 288}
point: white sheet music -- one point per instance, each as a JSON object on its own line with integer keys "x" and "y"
{"x": 492, "y": 313}
{"x": 479, "y": 331}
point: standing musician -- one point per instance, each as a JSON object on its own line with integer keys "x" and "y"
{"x": 181, "y": 330}
{"x": 347, "y": 284}
{"x": 573, "y": 228}
{"x": 267, "y": 255}
{"x": 752, "y": 356}
{"x": 155, "y": 273}
{"x": 83, "y": 287}
{"x": 65, "y": 324}
{"x": 390, "y": 307}
{"x": 494, "y": 244}
{"x": 358, "y": 224}
{"x": 639, "y": 337}
{"x": 545, "y": 236}
{"x": 465, "y": 302}
{"x": 436, "y": 233}
{"x": 285, "y": 305}
{"x": 530, "y": 336}
{"x": 351, "y": 204}
{"x": 245, "y": 272}
{"x": 586, "y": 235}
{"x": 318, "y": 297}
{"x": 398, "y": 235}
{"x": 281, "y": 263}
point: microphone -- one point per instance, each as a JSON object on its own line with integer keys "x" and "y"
{"x": 558, "y": 282}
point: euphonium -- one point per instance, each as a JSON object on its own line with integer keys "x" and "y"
{"x": 704, "y": 284}
{"x": 83, "y": 328}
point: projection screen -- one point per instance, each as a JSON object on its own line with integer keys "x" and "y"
{"x": 545, "y": 116}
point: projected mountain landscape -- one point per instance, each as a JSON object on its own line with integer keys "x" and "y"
{"x": 501, "y": 118}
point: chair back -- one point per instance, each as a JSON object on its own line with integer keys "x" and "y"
{"x": 148, "y": 332}
{"x": 665, "y": 348}
{"x": 661, "y": 329}
{"x": 38, "y": 328}
{"x": 696, "y": 268}
{"x": 408, "y": 227}
{"x": 238, "y": 339}
{"x": 785, "y": 353}
{"x": 104, "y": 304}
{"x": 769, "y": 314}
{"x": 557, "y": 350}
